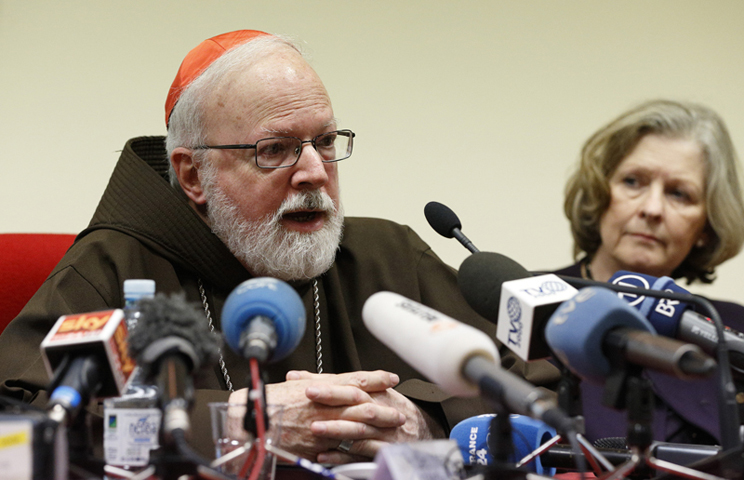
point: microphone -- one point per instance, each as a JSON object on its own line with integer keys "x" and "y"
{"x": 86, "y": 356}
{"x": 172, "y": 342}
{"x": 673, "y": 318}
{"x": 480, "y": 278}
{"x": 263, "y": 318}
{"x": 502, "y": 291}
{"x": 459, "y": 358}
{"x": 476, "y": 283}
{"x": 472, "y": 436}
{"x": 445, "y": 222}
{"x": 564, "y": 458}
{"x": 594, "y": 326}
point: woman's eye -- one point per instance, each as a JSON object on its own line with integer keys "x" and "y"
{"x": 680, "y": 194}
{"x": 630, "y": 181}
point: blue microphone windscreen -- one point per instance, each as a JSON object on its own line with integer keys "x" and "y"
{"x": 576, "y": 331}
{"x": 270, "y": 298}
{"x": 664, "y": 314}
{"x": 472, "y": 435}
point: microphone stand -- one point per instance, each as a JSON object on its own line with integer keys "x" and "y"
{"x": 569, "y": 400}
{"x": 501, "y": 446}
{"x": 255, "y": 422}
{"x": 500, "y": 438}
{"x": 728, "y": 408}
{"x": 626, "y": 387}
{"x": 256, "y": 402}
{"x": 83, "y": 463}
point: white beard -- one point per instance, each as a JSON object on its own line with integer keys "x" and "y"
{"x": 265, "y": 247}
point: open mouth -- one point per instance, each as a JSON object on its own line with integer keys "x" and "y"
{"x": 303, "y": 216}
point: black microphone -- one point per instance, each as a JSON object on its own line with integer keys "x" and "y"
{"x": 503, "y": 292}
{"x": 445, "y": 222}
{"x": 171, "y": 342}
{"x": 564, "y": 458}
{"x": 481, "y": 276}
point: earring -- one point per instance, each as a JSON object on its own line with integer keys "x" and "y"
{"x": 700, "y": 243}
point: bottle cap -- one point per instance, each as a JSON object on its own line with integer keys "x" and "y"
{"x": 139, "y": 288}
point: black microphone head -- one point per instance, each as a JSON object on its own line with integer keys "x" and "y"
{"x": 480, "y": 278}
{"x": 169, "y": 323}
{"x": 614, "y": 443}
{"x": 441, "y": 218}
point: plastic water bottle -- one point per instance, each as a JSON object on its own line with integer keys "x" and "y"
{"x": 132, "y": 421}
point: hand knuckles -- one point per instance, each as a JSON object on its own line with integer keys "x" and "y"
{"x": 368, "y": 412}
{"x": 363, "y": 430}
{"x": 358, "y": 396}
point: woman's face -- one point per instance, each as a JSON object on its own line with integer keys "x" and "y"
{"x": 657, "y": 207}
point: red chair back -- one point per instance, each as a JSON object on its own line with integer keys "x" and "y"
{"x": 26, "y": 260}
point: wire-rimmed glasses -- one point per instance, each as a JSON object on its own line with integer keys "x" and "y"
{"x": 283, "y": 152}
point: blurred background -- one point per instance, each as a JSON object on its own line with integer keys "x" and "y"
{"x": 480, "y": 105}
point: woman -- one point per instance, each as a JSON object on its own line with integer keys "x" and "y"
{"x": 657, "y": 191}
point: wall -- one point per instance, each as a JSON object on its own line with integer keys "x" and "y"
{"x": 481, "y": 105}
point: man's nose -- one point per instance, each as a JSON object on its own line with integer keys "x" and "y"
{"x": 310, "y": 169}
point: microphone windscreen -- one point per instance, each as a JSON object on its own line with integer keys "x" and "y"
{"x": 441, "y": 218}
{"x": 576, "y": 331}
{"x": 434, "y": 344}
{"x": 163, "y": 317}
{"x": 472, "y": 435}
{"x": 664, "y": 314}
{"x": 480, "y": 278}
{"x": 270, "y": 298}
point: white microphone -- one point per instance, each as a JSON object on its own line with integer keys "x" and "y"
{"x": 434, "y": 344}
{"x": 459, "y": 358}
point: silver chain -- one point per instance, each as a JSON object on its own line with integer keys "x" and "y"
{"x": 318, "y": 347}
{"x": 208, "y": 313}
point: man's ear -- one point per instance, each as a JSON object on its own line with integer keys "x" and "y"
{"x": 187, "y": 172}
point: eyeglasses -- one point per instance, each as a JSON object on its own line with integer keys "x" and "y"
{"x": 283, "y": 152}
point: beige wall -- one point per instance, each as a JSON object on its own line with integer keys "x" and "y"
{"x": 481, "y": 105}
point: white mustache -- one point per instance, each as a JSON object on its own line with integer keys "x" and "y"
{"x": 311, "y": 200}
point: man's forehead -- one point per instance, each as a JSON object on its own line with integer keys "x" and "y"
{"x": 292, "y": 98}
{"x": 269, "y": 129}
{"x": 273, "y": 72}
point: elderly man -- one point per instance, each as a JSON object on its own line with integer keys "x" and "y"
{"x": 253, "y": 147}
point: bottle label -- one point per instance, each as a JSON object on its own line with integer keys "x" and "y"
{"x": 16, "y": 448}
{"x": 129, "y": 434}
